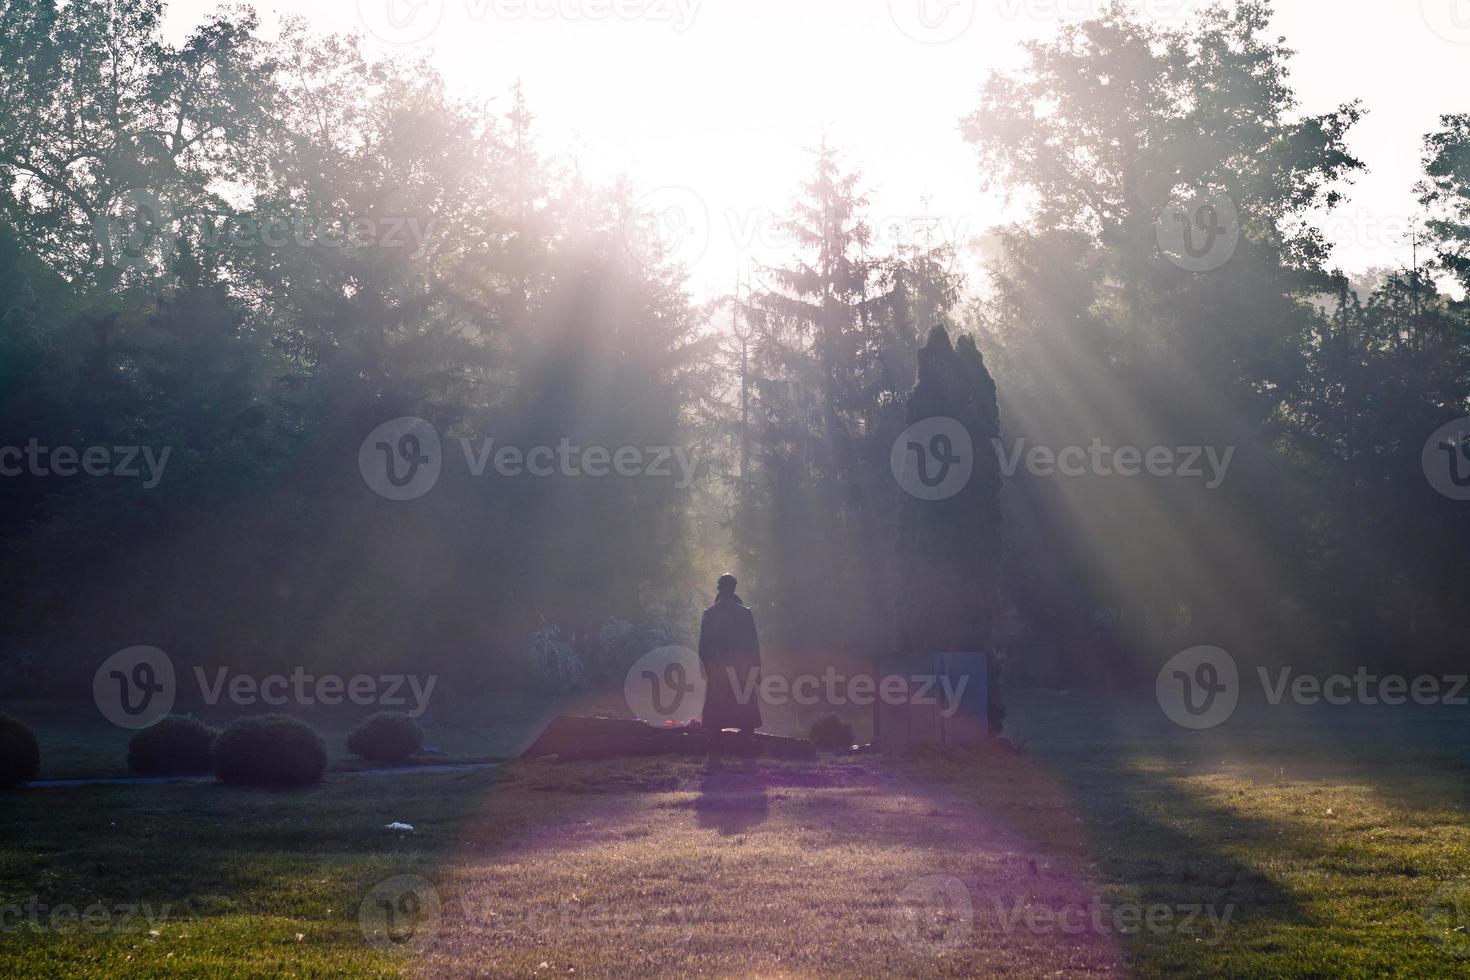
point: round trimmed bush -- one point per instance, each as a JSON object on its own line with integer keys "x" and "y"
{"x": 20, "y": 756}
{"x": 270, "y": 750}
{"x": 388, "y": 736}
{"x": 179, "y": 745}
{"x": 831, "y": 733}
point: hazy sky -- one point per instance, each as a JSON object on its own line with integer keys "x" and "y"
{"x": 711, "y": 104}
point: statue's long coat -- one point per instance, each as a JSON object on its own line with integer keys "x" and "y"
{"x": 728, "y": 646}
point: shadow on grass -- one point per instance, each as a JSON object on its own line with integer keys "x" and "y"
{"x": 1017, "y": 836}
{"x": 1244, "y": 814}
{"x": 731, "y": 801}
{"x": 1153, "y": 837}
{"x": 577, "y": 861}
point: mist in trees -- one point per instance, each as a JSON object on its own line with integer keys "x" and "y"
{"x": 1326, "y": 541}
{"x": 253, "y": 252}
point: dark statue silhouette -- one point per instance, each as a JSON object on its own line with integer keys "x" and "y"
{"x": 730, "y": 651}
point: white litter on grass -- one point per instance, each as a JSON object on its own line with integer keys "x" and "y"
{"x": 405, "y": 827}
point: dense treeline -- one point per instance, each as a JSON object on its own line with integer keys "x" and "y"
{"x": 1325, "y": 541}
{"x": 251, "y": 253}
{"x": 1305, "y": 400}
{"x": 255, "y": 253}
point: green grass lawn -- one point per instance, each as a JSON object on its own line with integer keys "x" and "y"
{"x": 1325, "y": 843}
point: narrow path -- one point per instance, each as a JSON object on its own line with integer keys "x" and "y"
{"x": 162, "y": 780}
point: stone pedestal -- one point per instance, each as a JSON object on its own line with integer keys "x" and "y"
{"x": 944, "y": 704}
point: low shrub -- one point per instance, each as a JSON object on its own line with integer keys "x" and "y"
{"x": 270, "y": 750}
{"x": 621, "y": 644}
{"x": 179, "y": 745}
{"x": 830, "y": 733}
{"x": 388, "y": 736}
{"x": 20, "y": 755}
{"x": 554, "y": 664}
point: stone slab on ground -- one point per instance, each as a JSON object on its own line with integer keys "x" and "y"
{"x": 571, "y": 738}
